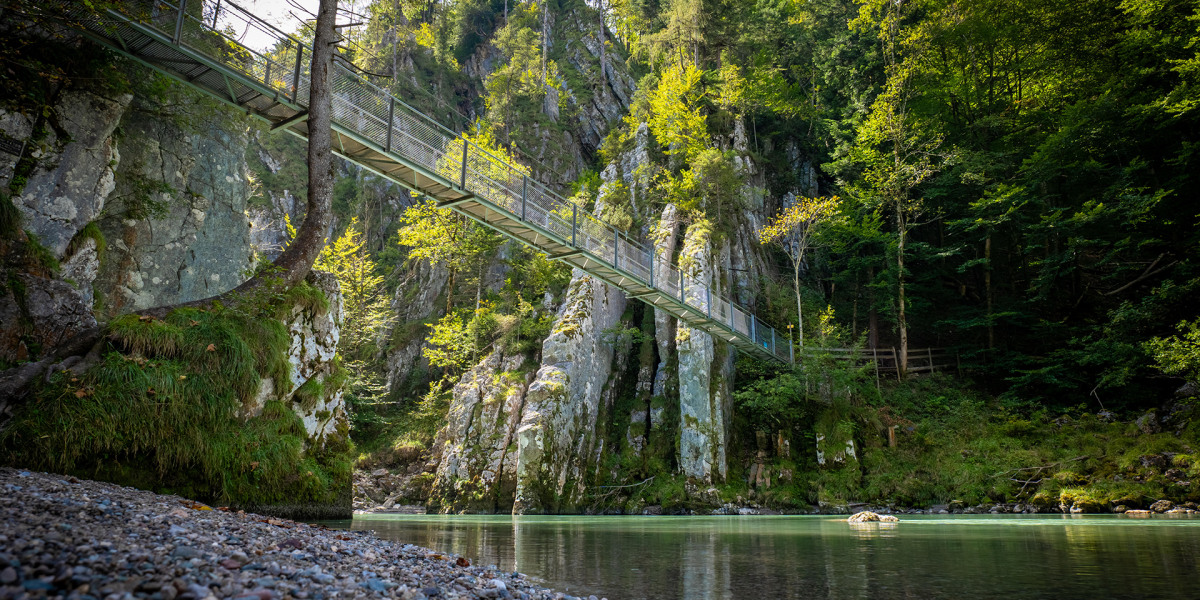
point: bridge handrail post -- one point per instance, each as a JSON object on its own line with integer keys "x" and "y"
{"x": 791, "y": 348}
{"x": 179, "y": 21}
{"x": 574, "y": 224}
{"x": 708, "y": 299}
{"x": 390, "y": 121}
{"x": 524, "y": 195}
{"x": 616, "y": 249}
{"x": 773, "y": 346}
{"x": 296, "y": 73}
{"x": 753, "y": 337}
{"x": 653, "y": 256}
{"x": 463, "y": 176}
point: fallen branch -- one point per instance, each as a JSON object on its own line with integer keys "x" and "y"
{"x": 1059, "y": 463}
{"x": 643, "y": 482}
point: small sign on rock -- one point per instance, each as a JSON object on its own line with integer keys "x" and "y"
{"x": 11, "y": 146}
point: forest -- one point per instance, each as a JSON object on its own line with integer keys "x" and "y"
{"x": 1009, "y": 182}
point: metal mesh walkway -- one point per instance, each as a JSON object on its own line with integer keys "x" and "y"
{"x": 198, "y": 42}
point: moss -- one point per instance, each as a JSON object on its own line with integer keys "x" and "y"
{"x": 162, "y": 411}
{"x": 337, "y": 378}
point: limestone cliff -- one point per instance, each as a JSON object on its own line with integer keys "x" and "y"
{"x": 176, "y": 221}
{"x": 557, "y": 439}
{"x": 477, "y": 470}
{"x": 703, "y": 379}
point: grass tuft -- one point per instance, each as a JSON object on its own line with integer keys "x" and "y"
{"x": 91, "y": 231}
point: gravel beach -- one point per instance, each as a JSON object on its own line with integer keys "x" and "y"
{"x": 65, "y": 537}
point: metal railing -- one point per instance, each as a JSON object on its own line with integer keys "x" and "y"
{"x": 215, "y": 29}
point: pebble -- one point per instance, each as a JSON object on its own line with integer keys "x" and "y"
{"x": 86, "y": 539}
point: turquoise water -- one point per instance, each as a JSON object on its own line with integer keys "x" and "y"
{"x": 969, "y": 556}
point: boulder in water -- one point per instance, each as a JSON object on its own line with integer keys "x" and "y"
{"x": 867, "y": 516}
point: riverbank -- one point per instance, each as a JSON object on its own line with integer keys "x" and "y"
{"x": 63, "y": 536}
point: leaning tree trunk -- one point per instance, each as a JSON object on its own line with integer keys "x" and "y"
{"x": 82, "y": 351}
{"x": 291, "y": 267}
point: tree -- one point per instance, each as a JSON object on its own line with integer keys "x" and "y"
{"x": 364, "y": 296}
{"x": 896, "y": 153}
{"x": 446, "y": 238}
{"x": 792, "y": 230}
{"x": 1179, "y": 354}
{"x": 676, "y": 116}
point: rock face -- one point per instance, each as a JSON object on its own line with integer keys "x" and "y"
{"x": 557, "y": 436}
{"x": 169, "y": 197}
{"x": 73, "y": 175}
{"x": 702, "y": 391}
{"x": 477, "y": 471}
{"x": 415, "y": 301}
{"x": 49, "y": 312}
{"x": 67, "y": 188}
{"x": 665, "y": 239}
{"x": 314, "y": 339}
{"x": 177, "y": 229}
{"x": 611, "y": 100}
{"x": 175, "y": 226}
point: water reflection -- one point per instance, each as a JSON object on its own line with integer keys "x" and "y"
{"x": 719, "y": 558}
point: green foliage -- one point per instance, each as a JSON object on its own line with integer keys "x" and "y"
{"x": 518, "y": 88}
{"x": 451, "y": 344}
{"x": 445, "y": 238}
{"x": 676, "y": 118}
{"x": 1179, "y": 354}
{"x": 772, "y": 404}
{"x": 365, "y": 304}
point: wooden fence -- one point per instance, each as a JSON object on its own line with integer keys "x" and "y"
{"x": 885, "y": 360}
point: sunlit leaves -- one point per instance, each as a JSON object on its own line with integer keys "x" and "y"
{"x": 364, "y": 296}
{"x": 676, "y": 117}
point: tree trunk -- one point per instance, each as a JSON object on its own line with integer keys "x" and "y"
{"x": 603, "y": 55}
{"x": 873, "y": 313}
{"x": 400, "y": 20}
{"x": 799, "y": 303}
{"x": 297, "y": 260}
{"x": 987, "y": 287}
{"x": 901, "y": 316}
{"x": 545, "y": 39}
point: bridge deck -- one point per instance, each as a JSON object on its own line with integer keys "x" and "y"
{"x": 193, "y": 41}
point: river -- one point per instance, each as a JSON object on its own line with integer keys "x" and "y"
{"x": 760, "y": 557}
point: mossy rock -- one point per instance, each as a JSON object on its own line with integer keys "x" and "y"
{"x": 164, "y": 410}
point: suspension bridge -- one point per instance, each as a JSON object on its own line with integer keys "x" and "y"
{"x": 197, "y": 42}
